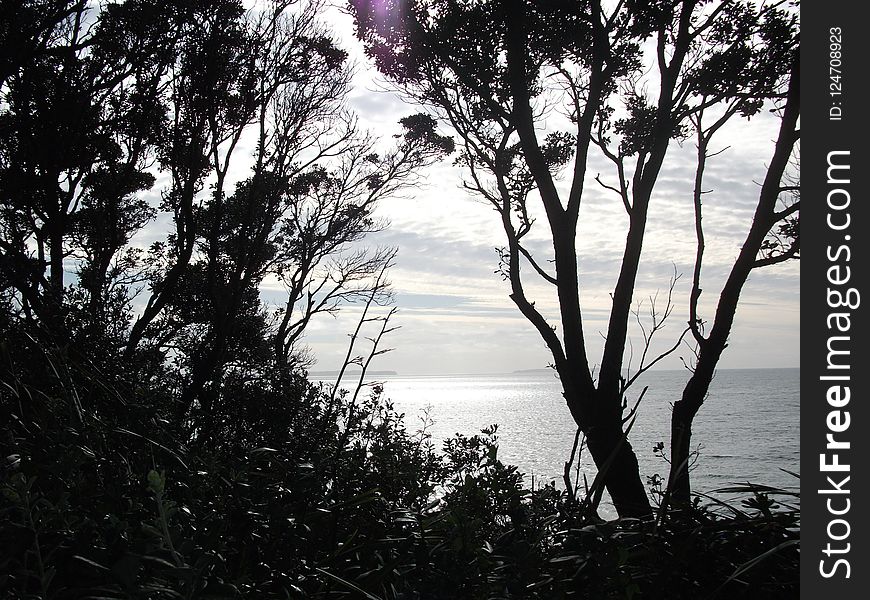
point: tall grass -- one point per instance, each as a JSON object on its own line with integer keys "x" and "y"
{"x": 307, "y": 494}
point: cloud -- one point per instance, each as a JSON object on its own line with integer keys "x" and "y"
{"x": 454, "y": 311}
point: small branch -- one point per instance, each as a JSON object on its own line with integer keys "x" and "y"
{"x": 787, "y": 211}
{"x": 566, "y": 473}
{"x": 658, "y": 320}
{"x": 792, "y": 252}
{"x": 547, "y": 277}
{"x": 374, "y": 352}
{"x": 355, "y": 335}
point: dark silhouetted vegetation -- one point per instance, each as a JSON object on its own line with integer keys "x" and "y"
{"x": 300, "y": 495}
{"x": 160, "y": 436}
{"x": 627, "y": 79}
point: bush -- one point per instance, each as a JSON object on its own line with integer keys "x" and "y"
{"x": 299, "y": 493}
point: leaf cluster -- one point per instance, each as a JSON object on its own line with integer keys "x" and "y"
{"x": 309, "y": 495}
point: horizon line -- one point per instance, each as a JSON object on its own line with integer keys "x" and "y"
{"x": 394, "y": 373}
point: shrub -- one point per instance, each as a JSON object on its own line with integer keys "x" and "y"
{"x": 300, "y": 493}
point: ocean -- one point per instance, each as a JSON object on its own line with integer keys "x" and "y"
{"x": 747, "y": 431}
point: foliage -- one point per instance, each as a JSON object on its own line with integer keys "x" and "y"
{"x": 626, "y": 79}
{"x": 161, "y": 438}
{"x": 101, "y": 498}
{"x": 116, "y": 116}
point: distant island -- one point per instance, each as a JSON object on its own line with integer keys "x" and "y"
{"x": 355, "y": 373}
{"x": 544, "y": 370}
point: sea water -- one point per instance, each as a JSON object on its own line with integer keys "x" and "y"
{"x": 747, "y": 431}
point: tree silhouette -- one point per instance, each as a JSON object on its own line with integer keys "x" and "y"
{"x": 163, "y": 163}
{"x": 104, "y": 109}
{"x": 78, "y": 119}
{"x": 630, "y": 78}
{"x": 773, "y": 237}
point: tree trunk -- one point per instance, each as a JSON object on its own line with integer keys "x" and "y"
{"x": 622, "y": 475}
{"x": 609, "y": 447}
{"x": 52, "y": 300}
{"x": 186, "y": 241}
{"x": 712, "y": 347}
{"x": 684, "y": 412}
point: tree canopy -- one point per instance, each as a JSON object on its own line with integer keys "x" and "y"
{"x": 115, "y": 108}
{"x": 630, "y": 77}
{"x": 162, "y": 162}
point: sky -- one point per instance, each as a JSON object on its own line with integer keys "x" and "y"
{"x": 454, "y": 312}
{"x": 454, "y": 315}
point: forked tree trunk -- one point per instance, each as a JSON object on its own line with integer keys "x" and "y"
{"x": 711, "y": 347}
{"x": 599, "y": 416}
{"x": 622, "y": 474}
{"x": 597, "y": 411}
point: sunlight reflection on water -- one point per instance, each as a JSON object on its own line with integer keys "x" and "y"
{"x": 748, "y": 429}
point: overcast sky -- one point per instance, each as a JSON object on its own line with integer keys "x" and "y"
{"x": 454, "y": 311}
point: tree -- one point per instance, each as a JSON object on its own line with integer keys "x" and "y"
{"x": 78, "y": 118}
{"x": 630, "y": 78}
{"x": 107, "y": 104}
{"x": 772, "y": 238}
{"x": 302, "y": 229}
